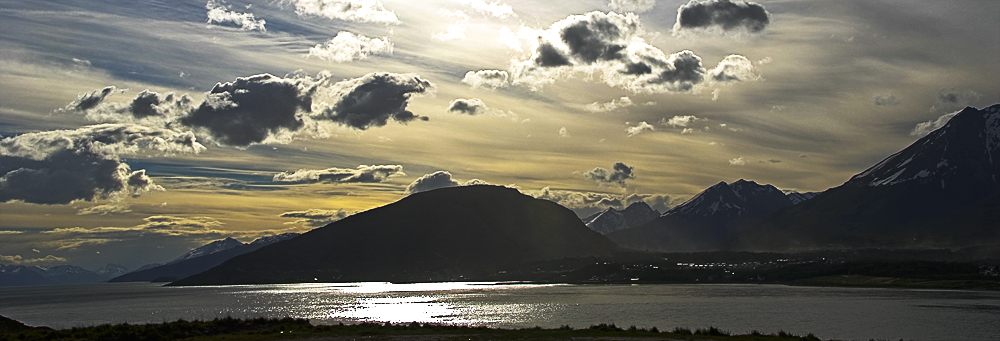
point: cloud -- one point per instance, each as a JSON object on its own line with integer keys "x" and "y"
{"x": 616, "y": 176}
{"x": 471, "y": 106}
{"x": 493, "y": 79}
{"x": 219, "y": 13}
{"x": 924, "y": 128}
{"x": 686, "y": 131}
{"x": 637, "y": 6}
{"x": 739, "y": 161}
{"x": 660, "y": 202}
{"x": 610, "y": 45}
{"x": 61, "y": 166}
{"x": 346, "y": 47}
{"x": 563, "y": 132}
{"x": 252, "y": 109}
{"x": 734, "y": 68}
{"x": 316, "y": 217}
{"x": 952, "y": 99}
{"x": 148, "y": 107}
{"x": 363, "y": 174}
{"x": 639, "y": 128}
{"x": 886, "y": 100}
{"x": 623, "y": 102}
{"x": 494, "y": 9}
{"x": 106, "y": 209}
{"x": 587, "y": 203}
{"x": 721, "y": 16}
{"x": 89, "y": 100}
{"x": 371, "y": 100}
{"x": 680, "y": 121}
{"x": 578, "y": 200}
{"x": 427, "y": 182}
{"x": 265, "y": 108}
{"x": 347, "y": 10}
{"x": 18, "y": 260}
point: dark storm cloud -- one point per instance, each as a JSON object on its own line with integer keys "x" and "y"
{"x": 722, "y": 14}
{"x": 373, "y": 99}
{"x": 251, "y": 109}
{"x": 616, "y": 176}
{"x": 90, "y": 100}
{"x": 548, "y": 56}
{"x": 612, "y": 45}
{"x": 147, "y": 105}
{"x": 363, "y": 174}
{"x": 439, "y": 179}
{"x": 471, "y": 106}
{"x": 61, "y": 166}
{"x": 262, "y": 108}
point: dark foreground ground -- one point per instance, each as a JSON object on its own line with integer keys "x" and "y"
{"x": 300, "y": 329}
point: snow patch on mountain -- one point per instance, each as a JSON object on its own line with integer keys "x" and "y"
{"x": 611, "y": 220}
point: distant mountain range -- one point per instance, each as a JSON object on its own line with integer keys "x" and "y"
{"x": 21, "y": 275}
{"x": 200, "y": 259}
{"x": 195, "y": 261}
{"x": 709, "y": 219}
{"x": 611, "y": 219}
{"x": 446, "y": 234}
{"x": 940, "y": 192}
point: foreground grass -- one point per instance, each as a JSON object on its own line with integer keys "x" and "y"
{"x": 290, "y": 329}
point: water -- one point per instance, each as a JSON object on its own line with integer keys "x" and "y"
{"x": 829, "y": 313}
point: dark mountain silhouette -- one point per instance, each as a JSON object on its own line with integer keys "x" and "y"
{"x": 611, "y": 219}
{"x": 709, "y": 219}
{"x": 942, "y": 191}
{"x": 200, "y": 259}
{"x": 453, "y": 233}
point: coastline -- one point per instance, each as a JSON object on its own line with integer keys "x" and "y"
{"x": 302, "y": 329}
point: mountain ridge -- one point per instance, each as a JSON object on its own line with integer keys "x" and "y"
{"x": 457, "y": 233}
{"x": 941, "y": 191}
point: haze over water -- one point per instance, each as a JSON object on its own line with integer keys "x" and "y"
{"x": 829, "y": 313}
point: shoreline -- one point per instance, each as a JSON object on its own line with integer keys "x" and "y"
{"x": 289, "y": 328}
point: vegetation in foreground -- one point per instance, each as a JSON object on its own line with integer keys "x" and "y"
{"x": 289, "y": 328}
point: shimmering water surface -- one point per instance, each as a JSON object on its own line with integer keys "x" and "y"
{"x": 830, "y": 313}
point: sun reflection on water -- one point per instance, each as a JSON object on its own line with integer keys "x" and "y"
{"x": 446, "y": 303}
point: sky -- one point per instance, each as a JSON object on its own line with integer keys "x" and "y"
{"x": 132, "y": 131}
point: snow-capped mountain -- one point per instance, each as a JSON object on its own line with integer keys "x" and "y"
{"x": 941, "y": 191}
{"x": 199, "y": 259}
{"x": 18, "y": 275}
{"x": 611, "y": 220}
{"x": 110, "y": 270}
{"x": 210, "y": 248}
{"x": 965, "y": 152}
{"x": 268, "y": 240}
{"x": 709, "y": 219}
{"x": 797, "y": 197}
{"x": 742, "y": 198}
